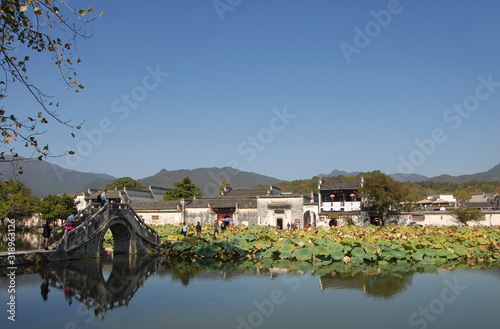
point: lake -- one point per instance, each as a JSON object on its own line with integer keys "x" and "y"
{"x": 134, "y": 292}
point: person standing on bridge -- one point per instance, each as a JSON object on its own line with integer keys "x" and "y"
{"x": 46, "y": 234}
{"x": 70, "y": 224}
{"x": 103, "y": 198}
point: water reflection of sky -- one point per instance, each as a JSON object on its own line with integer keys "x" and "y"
{"x": 159, "y": 295}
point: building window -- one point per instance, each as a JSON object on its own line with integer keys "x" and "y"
{"x": 155, "y": 217}
{"x": 279, "y": 211}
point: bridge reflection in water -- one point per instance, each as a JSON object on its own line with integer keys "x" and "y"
{"x": 86, "y": 280}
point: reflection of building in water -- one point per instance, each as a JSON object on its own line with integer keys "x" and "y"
{"x": 384, "y": 285}
{"x": 24, "y": 241}
{"x": 84, "y": 281}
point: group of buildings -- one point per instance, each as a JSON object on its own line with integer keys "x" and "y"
{"x": 337, "y": 202}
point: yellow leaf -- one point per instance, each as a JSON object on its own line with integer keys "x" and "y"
{"x": 23, "y": 7}
{"x": 90, "y": 10}
{"x": 48, "y": 2}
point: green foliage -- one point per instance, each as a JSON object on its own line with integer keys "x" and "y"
{"x": 384, "y": 193}
{"x": 16, "y": 200}
{"x": 466, "y": 214}
{"x": 55, "y": 207}
{"x": 183, "y": 190}
{"x": 223, "y": 185}
{"x": 124, "y": 182}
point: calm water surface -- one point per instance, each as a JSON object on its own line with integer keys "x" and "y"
{"x": 143, "y": 292}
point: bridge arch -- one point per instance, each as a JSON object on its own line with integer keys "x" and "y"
{"x": 124, "y": 238}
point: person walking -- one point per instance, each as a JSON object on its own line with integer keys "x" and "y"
{"x": 46, "y": 234}
{"x": 184, "y": 229}
{"x": 198, "y": 228}
{"x": 70, "y": 224}
{"x": 103, "y": 198}
{"x": 216, "y": 227}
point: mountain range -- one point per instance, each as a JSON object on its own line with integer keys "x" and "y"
{"x": 46, "y": 178}
{"x": 492, "y": 175}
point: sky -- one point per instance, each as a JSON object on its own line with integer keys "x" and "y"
{"x": 284, "y": 88}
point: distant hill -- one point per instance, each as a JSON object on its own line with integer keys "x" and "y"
{"x": 99, "y": 184}
{"x": 335, "y": 173}
{"x": 208, "y": 180}
{"x": 492, "y": 175}
{"x": 398, "y": 177}
{"x": 45, "y": 178}
{"x": 409, "y": 177}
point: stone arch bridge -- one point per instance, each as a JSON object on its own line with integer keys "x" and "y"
{"x": 130, "y": 234}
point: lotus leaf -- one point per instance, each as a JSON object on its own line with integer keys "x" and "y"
{"x": 370, "y": 256}
{"x": 182, "y": 246}
{"x": 249, "y": 237}
{"x": 262, "y": 244}
{"x": 337, "y": 255}
{"x": 286, "y": 255}
{"x": 263, "y": 254}
{"x": 371, "y": 248}
{"x": 320, "y": 250}
{"x": 303, "y": 253}
{"x": 358, "y": 252}
{"x": 207, "y": 251}
{"x": 287, "y": 248}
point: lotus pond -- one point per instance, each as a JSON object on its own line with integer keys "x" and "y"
{"x": 352, "y": 245}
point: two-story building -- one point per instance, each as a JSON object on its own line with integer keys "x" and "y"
{"x": 339, "y": 198}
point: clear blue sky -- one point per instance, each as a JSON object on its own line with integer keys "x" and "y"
{"x": 284, "y": 88}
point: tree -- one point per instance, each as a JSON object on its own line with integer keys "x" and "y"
{"x": 16, "y": 200}
{"x": 466, "y": 214}
{"x": 183, "y": 190}
{"x": 124, "y": 182}
{"x": 32, "y": 27}
{"x": 223, "y": 185}
{"x": 383, "y": 194}
{"x": 55, "y": 207}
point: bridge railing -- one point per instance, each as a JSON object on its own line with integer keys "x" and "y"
{"x": 87, "y": 228}
{"x": 148, "y": 231}
{"x": 58, "y": 232}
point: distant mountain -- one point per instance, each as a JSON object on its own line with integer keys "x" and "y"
{"x": 409, "y": 177}
{"x": 99, "y": 184}
{"x": 336, "y": 173}
{"x": 208, "y": 180}
{"x": 492, "y": 175}
{"x": 45, "y": 178}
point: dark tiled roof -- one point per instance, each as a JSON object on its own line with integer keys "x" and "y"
{"x": 247, "y": 192}
{"x": 285, "y": 196}
{"x": 341, "y": 184}
{"x": 111, "y": 194}
{"x": 155, "y": 205}
{"x": 223, "y": 202}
